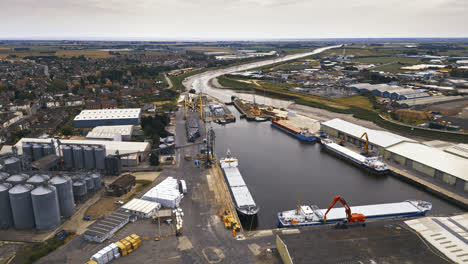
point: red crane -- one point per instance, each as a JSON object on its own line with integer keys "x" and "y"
{"x": 352, "y": 218}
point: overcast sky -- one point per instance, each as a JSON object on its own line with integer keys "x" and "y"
{"x": 232, "y": 19}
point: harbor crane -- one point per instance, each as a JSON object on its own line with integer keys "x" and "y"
{"x": 343, "y": 140}
{"x": 193, "y": 104}
{"x": 351, "y": 218}
{"x": 366, "y": 145}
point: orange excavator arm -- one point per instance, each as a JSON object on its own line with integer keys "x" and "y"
{"x": 367, "y": 141}
{"x": 352, "y": 218}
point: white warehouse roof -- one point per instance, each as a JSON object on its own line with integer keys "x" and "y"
{"x": 99, "y": 114}
{"x": 111, "y": 132}
{"x": 433, "y": 157}
{"x": 111, "y": 146}
{"x": 376, "y": 137}
{"x": 141, "y": 206}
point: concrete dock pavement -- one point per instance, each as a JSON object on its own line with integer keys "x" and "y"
{"x": 453, "y": 197}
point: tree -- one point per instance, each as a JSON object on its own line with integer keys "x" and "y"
{"x": 154, "y": 158}
{"x": 57, "y": 85}
{"x": 67, "y": 130}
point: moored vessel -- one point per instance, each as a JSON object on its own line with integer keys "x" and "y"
{"x": 371, "y": 164}
{"x": 308, "y": 215}
{"x": 302, "y": 134}
{"x": 245, "y": 204}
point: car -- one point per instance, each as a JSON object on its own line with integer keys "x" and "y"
{"x": 119, "y": 202}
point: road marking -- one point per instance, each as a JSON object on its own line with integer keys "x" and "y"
{"x": 184, "y": 243}
{"x": 213, "y": 255}
{"x": 255, "y": 248}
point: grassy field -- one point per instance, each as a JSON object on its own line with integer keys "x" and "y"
{"x": 384, "y": 60}
{"x": 281, "y": 90}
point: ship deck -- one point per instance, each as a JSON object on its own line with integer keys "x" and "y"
{"x": 346, "y": 152}
{"x": 375, "y": 210}
{"x": 240, "y": 193}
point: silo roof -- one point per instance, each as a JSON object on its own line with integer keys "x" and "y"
{"x": 41, "y": 190}
{"x": 58, "y": 180}
{"x": 20, "y": 188}
{"x": 4, "y": 186}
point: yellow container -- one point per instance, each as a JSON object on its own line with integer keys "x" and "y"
{"x": 135, "y": 236}
{"x": 91, "y": 262}
{"x": 122, "y": 248}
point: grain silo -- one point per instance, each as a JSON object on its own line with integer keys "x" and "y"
{"x": 27, "y": 150}
{"x": 6, "y": 219}
{"x": 97, "y": 180}
{"x": 89, "y": 184}
{"x": 12, "y": 164}
{"x": 37, "y": 151}
{"x": 79, "y": 190}
{"x": 17, "y": 179}
{"x": 89, "y": 162}
{"x": 100, "y": 156}
{"x": 67, "y": 156}
{"x": 63, "y": 184}
{"x": 46, "y": 207}
{"x": 48, "y": 149}
{"x": 21, "y": 206}
{"x": 78, "y": 157}
{"x": 37, "y": 179}
{"x": 3, "y": 176}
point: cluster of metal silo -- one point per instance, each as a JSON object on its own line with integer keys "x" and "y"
{"x": 41, "y": 200}
{"x": 83, "y": 157}
{"x": 37, "y": 150}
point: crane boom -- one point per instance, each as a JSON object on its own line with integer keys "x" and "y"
{"x": 367, "y": 141}
{"x": 352, "y": 218}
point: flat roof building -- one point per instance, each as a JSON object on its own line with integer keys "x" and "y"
{"x": 378, "y": 139}
{"x": 138, "y": 150}
{"x": 115, "y": 133}
{"x": 107, "y": 117}
{"x": 142, "y": 208}
{"x": 433, "y": 162}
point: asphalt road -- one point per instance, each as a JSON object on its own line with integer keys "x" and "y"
{"x": 201, "y": 82}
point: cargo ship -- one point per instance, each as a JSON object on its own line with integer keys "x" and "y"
{"x": 302, "y": 134}
{"x": 371, "y": 164}
{"x": 245, "y": 204}
{"x": 306, "y": 215}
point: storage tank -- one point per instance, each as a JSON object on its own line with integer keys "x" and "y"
{"x": 17, "y": 179}
{"x": 78, "y": 157}
{"x": 48, "y": 149}
{"x": 21, "y": 206}
{"x": 97, "y": 180}
{"x": 46, "y": 207}
{"x": 79, "y": 190}
{"x": 27, "y": 150}
{"x": 89, "y": 162}
{"x": 89, "y": 184}
{"x": 37, "y": 179}
{"x": 100, "y": 156}
{"x": 67, "y": 156}
{"x": 37, "y": 151}
{"x": 63, "y": 184}
{"x": 12, "y": 164}
{"x": 3, "y": 176}
{"x": 6, "y": 219}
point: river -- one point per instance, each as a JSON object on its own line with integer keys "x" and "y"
{"x": 278, "y": 169}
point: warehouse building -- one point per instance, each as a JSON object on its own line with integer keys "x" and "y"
{"x": 378, "y": 140}
{"x": 107, "y": 117}
{"x": 425, "y": 101}
{"x": 113, "y": 133}
{"x": 141, "y": 208}
{"x": 105, "y": 228}
{"x": 132, "y": 153}
{"x": 433, "y": 162}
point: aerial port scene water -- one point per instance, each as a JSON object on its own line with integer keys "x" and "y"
{"x": 264, "y": 132}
